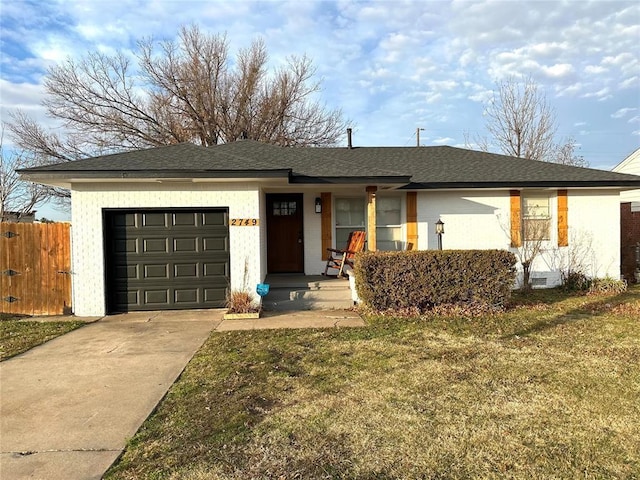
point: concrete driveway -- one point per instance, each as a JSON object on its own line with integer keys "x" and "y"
{"x": 67, "y": 407}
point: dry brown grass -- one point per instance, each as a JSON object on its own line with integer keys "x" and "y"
{"x": 240, "y": 301}
{"x": 546, "y": 392}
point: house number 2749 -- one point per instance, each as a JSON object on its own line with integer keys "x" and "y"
{"x": 244, "y": 222}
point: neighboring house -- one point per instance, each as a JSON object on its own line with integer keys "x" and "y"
{"x": 630, "y": 221}
{"x": 173, "y": 227}
{"x": 18, "y": 217}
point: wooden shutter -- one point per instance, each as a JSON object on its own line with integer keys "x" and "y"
{"x": 563, "y": 220}
{"x": 516, "y": 219}
{"x": 325, "y": 225}
{"x": 412, "y": 221}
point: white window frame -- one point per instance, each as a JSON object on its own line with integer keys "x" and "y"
{"x": 402, "y": 225}
{"x": 541, "y": 217}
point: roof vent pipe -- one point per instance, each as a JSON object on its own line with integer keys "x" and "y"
{"x": 349, "y": 144}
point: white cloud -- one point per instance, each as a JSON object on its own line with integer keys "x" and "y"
{"x": 594, "y": 69}
{"x": 623, "y": 112}
{"x": 558, "y": 70}
{"x": 443, "y": 140}
{"x": 633, "y": 82}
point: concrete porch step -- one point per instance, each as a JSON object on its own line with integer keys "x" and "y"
{"x": 310, "y": 282}
{"x": 300, "y": 292}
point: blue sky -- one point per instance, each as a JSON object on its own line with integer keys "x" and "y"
{"x": 391, "y": 66}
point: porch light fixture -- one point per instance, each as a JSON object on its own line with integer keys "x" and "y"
{"x": 439, "y": 232}
{"x": 318, "y": 205}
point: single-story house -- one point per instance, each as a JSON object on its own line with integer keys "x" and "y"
{"x": 18, "y": 217}
{"x": 630, "y": 220}
{"x": 174, "y": 227}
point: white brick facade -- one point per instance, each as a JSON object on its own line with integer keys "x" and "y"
{"x": 473, "y": 219}
{"x": 247, "y": 244}
{"x": 481, "y": 220}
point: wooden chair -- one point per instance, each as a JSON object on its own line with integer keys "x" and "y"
{"x": 339, "y": 258}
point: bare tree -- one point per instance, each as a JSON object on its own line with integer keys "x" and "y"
{"x": 16, "y": 195}
{"x": 565, "y": 154}
{"x": 170, "y": 92}
{"x": 532, "y": 240}
{"x": 522, "y": 124}
{"x": 535, "y": 236}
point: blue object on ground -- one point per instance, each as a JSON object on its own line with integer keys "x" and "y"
{"x": 262, "y": 289}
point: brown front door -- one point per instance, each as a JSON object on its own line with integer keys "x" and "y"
{"x": 285, "y": 244}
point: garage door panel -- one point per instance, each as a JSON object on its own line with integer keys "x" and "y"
{"x": 155, "y": 245}
{"x": 123, "y": 245}
{"x": 156, "y": 297}
{"x": 188, "y": 245}
{"x": 186, "y": 295}
{"x": 124, "y": 220}
{"x": 186, "y": 270}
{"x": 214, "y": 295}
{"x": 214, "y": 218}
{"x": 185, "y": 219}
{"x": 126, "y": 297}
{"x": 215, "y": 244}
{"x": 127, "y": 271}
{"x": 167, "y": 260}
{"x": 216, "y": 269}
{"x": 154, "y": 220}
{"x": 156, "y": 271}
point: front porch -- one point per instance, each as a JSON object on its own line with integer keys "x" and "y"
{"x": 295, "y": 292}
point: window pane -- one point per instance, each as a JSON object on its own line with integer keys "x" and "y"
{"x": 535, "y": 229}
{"x": 388, "y": 211}
{"x": 342, "y": 235}
{"x": 535, "y": 207}
{"x": 284, "y": 208}
{"x": 389, "y": 238}
{"x": 350, "y": 212}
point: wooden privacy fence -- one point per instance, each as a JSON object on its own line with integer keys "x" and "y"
{"x": 35, "y": 268}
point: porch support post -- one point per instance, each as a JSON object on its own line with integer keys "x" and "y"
{"x": 412, "y": 221}
{"x": 371, "y": 218}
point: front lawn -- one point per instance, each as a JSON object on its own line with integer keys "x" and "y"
{"x": 548, "y": 390}
{"x": 18, "y": 336}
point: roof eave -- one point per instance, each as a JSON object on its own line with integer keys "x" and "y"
{"x": 43, "y": 175}
{"x": 529, "y": 184}
{"x": 375, "y": 180}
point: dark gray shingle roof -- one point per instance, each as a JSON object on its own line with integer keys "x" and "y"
{"x": 419, "y": 168}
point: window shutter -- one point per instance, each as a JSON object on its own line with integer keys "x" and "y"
{"x": 516, "y": 219}
{"x": 563, "y": 220}
{"x": 412, "y": 221}
{"x": 325, "y": 225}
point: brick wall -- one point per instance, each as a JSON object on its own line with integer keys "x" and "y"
{"x": 629, "y": 237}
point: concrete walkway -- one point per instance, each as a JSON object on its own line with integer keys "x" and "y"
{"x": 68, "y": 407}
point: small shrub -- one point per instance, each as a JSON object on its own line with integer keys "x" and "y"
{"x": 607, "y": 286}
{"x": 241, "y": 301}
{"x": 575, "y": 282}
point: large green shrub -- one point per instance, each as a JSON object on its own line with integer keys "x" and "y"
{"x": 421, "y": 280}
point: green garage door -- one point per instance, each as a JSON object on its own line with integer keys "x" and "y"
{"x": 166, "y": 260}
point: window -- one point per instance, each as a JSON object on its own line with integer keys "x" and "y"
{"x": 389, "y": 223}
{"x": 283, "y": 209}
{"x": 536, "y": 217}
{"x": 351, "y": 214}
